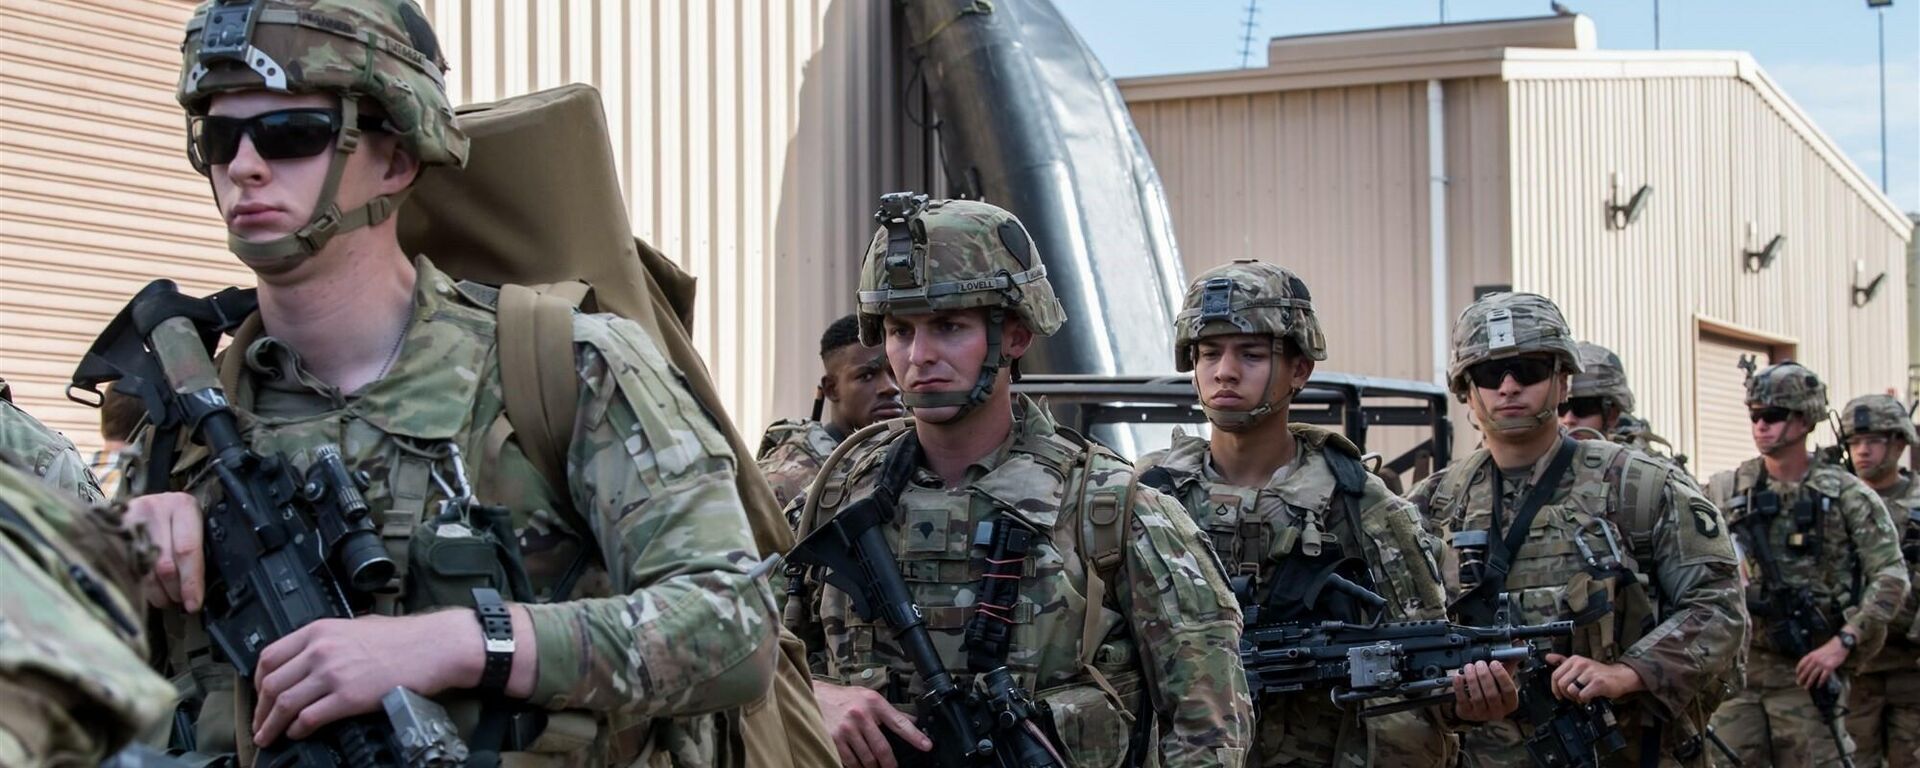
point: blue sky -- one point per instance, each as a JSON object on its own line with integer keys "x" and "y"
{"x": 1823, "y": 52}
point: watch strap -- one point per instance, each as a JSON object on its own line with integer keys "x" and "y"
{"x": 497, "y": 624}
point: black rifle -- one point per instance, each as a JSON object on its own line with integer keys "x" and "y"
{"x": 1795, "y": 623}
{"x": 282, "y": 550}
{"x": 991, "y": 725}
{"x": 1567, "y": 734}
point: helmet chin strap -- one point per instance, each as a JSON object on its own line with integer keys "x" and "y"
{"x": 1237, "y": 421}
{"x": 982, "y": 389}
{"x": 1783, "y": 442}
{"x": 284, "y": 253}
{"x": 1517, "y": 424}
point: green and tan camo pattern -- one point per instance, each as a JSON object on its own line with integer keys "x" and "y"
{"x": 1690, "y": 657}
{"x": 45, "y": 453}
{"x": 1257, "y": 288}
{"x": 1538, "y": 327}
{"x": 791, "y": 453}
{"x": 327, "y": 52}
{"x": 1601, "y": 375}
{"x": 76, "y": 685}
{"x": 1791, "y": 386}
{"x": 1169, "y": 624}
{"x": 677, "y": 630}
{"x": 965, "y": 243}
{"x": 1877, "y": 413}
{"x": 1262, "y": 528}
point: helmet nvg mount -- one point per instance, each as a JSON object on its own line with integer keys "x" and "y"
{"x": 1247, "y": 297}
{"x": 383, "y": 51}
{"x": 930, "y": 256}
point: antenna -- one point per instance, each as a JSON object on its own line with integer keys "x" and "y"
{"x": 1246, "y": 33}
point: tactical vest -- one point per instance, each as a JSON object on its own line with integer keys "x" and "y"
{"x": 1093, "y": 695}
{"x": 1900, "y": 652}
{"x": 1807, "y": 533}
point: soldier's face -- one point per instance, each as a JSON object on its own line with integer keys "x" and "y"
{"x": 1237, "y": 372}
{"x": 944, "y": 351}
{"x": 1514, "y": 400}
{"x": 861, "y": 386}
{"x": 1875, "y": 455}
{"x": 1587, "y": 412}
{"x": 1775, "y": 429}
{"x": 263, "y": 199}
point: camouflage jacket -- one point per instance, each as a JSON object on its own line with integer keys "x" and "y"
{"x": 45, "y": 453}
{"x": 677, "y": 629}
{"x": 1855, "y": 571}
{"x": 1256, "y": 530}
{"x": 1902, "y": 651}
{"x": 1684, "y": 633}
{"x": 74, "y": 684}
{"x": 791, "y": 453}
{"x": 1168, "y": 626}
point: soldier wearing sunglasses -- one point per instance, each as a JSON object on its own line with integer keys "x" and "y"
{"x": 599, "y": 619}
{"x": 1827, "y": 536}
{"x": 1599, "y": 406}
{"x": 1542, "y": 527}
{"x": 1884, "y": 711}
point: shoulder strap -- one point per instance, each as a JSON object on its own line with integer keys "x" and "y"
{"x": 1495, "y": 580}
{"x": 1453, "y": 485}
{"x": 1639, "y": 488}
{"x": 1106, "y": 514}
{"x": 538, "y": 382}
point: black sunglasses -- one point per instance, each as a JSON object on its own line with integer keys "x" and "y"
{"x": 1773, "y": 415}
{"x": 1527, "y": 371}
{"x": 284, "y": 134}
{"x": 1584, "y": 407}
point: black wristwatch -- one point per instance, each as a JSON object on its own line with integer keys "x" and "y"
{"x": 497, "y": 622}
{"x": 1848, "y": 639}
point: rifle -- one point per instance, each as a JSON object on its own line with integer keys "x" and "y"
{"x": 991, "y": 725}
{"x": 283, "y": 550}
{"x": 1795, "y": 623}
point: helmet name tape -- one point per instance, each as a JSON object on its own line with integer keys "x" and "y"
{"x": 1500, "y": 328}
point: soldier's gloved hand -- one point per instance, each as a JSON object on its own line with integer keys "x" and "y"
{"x": 1815, "y": 668}
{"x": 1484, "y": 692}
{"x": 1578, "y": 678}
{"x": 174, "y": 525}
{"x": 854, "y": 717}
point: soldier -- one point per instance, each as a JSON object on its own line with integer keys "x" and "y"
{"x": 637, "y": 610}
{"x": 120, "y": 416}
{"x": 1884, "y": 711}
{"x": 1276, "y": 502}
{"x": 74, "y": 685}
{"x": 1828, "y": 537}
{"x": 43, "y": 452}
{"x": 1587, "y": 531}
{"x": 1114, "y": 617}
{"x": 857, "y": 389}
{"x": 1599, "y": 406}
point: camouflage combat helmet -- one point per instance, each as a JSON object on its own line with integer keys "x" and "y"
{"x": 930, "y": 256}
{"x": 1791, "y": 386}
{"x": 1601, "y": 375}
{"x": 1877, "y": 413}
{"x": 1502, "y": 325}
{"x": 381, "y": 50}
{"x": 1247, "y": 297}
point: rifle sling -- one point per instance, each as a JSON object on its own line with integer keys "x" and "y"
{"x": 1495, "y": 581}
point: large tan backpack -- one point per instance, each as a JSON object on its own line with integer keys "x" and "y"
{"x": 538, "y": 210}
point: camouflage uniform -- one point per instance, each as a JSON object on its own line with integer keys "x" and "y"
{"x": 1883, "y": 713}
{"x": 663, "y": 622}
{"x": 45, "y": 453}
{"x": 74, "y": 685}
{"x": 1299, "y": 517}
{"x": 791, "y": 453}
{"x": 1164, "y": 634}
{"x": 1851, "y": 562}
{"x": 1676, "y": 616}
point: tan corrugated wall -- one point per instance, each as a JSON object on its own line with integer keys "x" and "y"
{"x": 1720, "y": 159}
{"x": 753, "y": 138}
{"x": 1332, "y": 183}
{"x": 96, "y": 197}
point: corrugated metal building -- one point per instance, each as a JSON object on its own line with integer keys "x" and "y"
{"x": 753, "y": 140}
{"x": 1508, "y": 154}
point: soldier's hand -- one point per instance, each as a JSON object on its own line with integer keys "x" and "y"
{"x": 1578, "y": 678}
{"x": 1484, "y": 692}
{"x": 174, "y": 525}
{"x": 855, "y": 716}
{"x": 1815, "y": 668}
{"x": 337, "y": 668}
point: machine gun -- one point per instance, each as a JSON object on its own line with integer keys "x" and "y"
{"x": 1358, "y": 662}
{"x": 283, "y": 550}
{"x": 991, "y": 725}
{"x": 1795, "y": 623}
